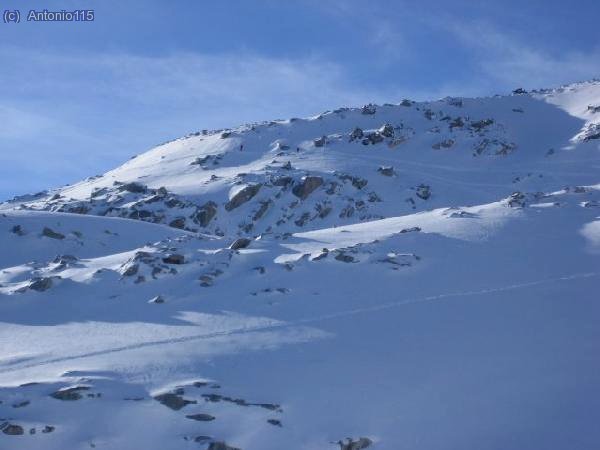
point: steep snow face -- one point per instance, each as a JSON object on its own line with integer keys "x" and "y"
{"x": 420, "y": 275}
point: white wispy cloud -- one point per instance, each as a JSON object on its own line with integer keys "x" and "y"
{"x": 507, "y": 61}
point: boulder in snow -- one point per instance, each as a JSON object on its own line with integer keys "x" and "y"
{"x": 308, "y": 185}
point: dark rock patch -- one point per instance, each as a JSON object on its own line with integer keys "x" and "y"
{"x": 368, "y": 109}
{"x": 221, "y": 446}
{"x": 308, "y": 185}
{"x": 240, "y": 243}
{"x": 11, "y": 429}
{"x": 275, "y": 422}
{"x": 201, "y": 417}
{"x": 388, "y": 171}
{"x": 359, "y": 444}
{"x": 242, "y": 196}
{"x": 174, "y": 258}
{"x": 50, "y": 233}
{"x": 70, "y": 394}
{"x": 320, "y": 142}
{"x": 173, "y": 401}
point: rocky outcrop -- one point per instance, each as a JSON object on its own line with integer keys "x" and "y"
{"x": 50, "y": 233}
{"x": 201, "y": 417}
{"x": 372, "y": 138}
{"x": 307, "y": 187}
{"x": 69, "y": 394}
{"x": 18, "y": 230}
{"x": 173, "y": 401}
{"x": 40, "y": 284}
{"x": 357, "y": 133}
{"x": 386, "y": 130}
{"x": 11, "y": 429}
{"x": 159, "y": 299}
{"x": 368, "y": 109}
{"x": 320, "y": 142}
{"x": 136, "y": 188}
{"x": 423, "y": 191}
{"x": 205, "y": 213}
{"x": 174, "y": 258}
{"x": 221, "y": 446}
{"x": 178, "y": 222}
{"x": 243, "y": 196}
{"x": 359, "y": 444}
{"x": 446, "y": 143}
{"x": 240, "y": 243}
{"x": 387, "y": 171}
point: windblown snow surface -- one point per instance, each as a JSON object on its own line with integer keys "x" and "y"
{"x": 415, "y": 276}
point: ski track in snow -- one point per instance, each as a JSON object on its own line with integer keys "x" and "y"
{"x": 306, "y": 321}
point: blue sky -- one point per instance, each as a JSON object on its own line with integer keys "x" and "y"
{"x": 77, "y": 99}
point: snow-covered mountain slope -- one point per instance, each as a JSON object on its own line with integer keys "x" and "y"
{"x": 419, "y": 276}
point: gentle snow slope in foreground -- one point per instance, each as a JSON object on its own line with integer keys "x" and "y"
{"x": 431, "y": 284}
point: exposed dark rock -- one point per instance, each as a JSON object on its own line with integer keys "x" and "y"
{"x": 592, "y": 132}
{"x": 282, "y": 181}
{"x": 264, "y": 206}
{"x": 372, "y": 138}
{"x": 201, "y": 417}
{"x": 357, "y": 182}
{"x": 48, "y": 232}
{"x": 225, "y": 134}
{"x": 446, "y": 143}
{"x": 457, "y": 123}
{"x": 48, "y": 429}
{"x": 455, "y": 102}
{"x": 40, "y": 284}
{"x": 21, "y": 404}
{"x": 275, "y": 422}
{"x": 359, "y": 444}
{"x": 388, "y": 171}
{"x": 368, "y": 109}
{"x": 173, "y": 401}
{"x": 519, "y": 91}
{"x": 242, "y": 196}
{"x": 308, "y": 185}
{"x": 206, "y": 213}
{"x": 593, "y": 108}
{"x": 320, "y": 142}
{"x": 179, "y": 222}
{"x": 357, "y": 133}
{"x": 324, "y": 253}
{"x": 406, "y": 102}
{"x": 144, "y": 214}
{"x": 323, "y": 210}
{"x": 174, "y": 258}
{"x": 423, "y": 191}
{"x": 429, "y": 114}
{"x": 221, "y": 446}
{"x": 18, "y": 230}
{"x": 516, "y": 199}
{"x": 131, "y": 270}
{"x": 343, "y": 257}
{"x": 240, "y": 243}
{"x": 481, "y": 124}
{"x": 410, "y": 230}
{"x": 69, "y": 394}
{"x": 158, "y": 299}
{"x": 134, "y": 187}
{"x": 386, "y": 130}
{"x": 11, "y": 429}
